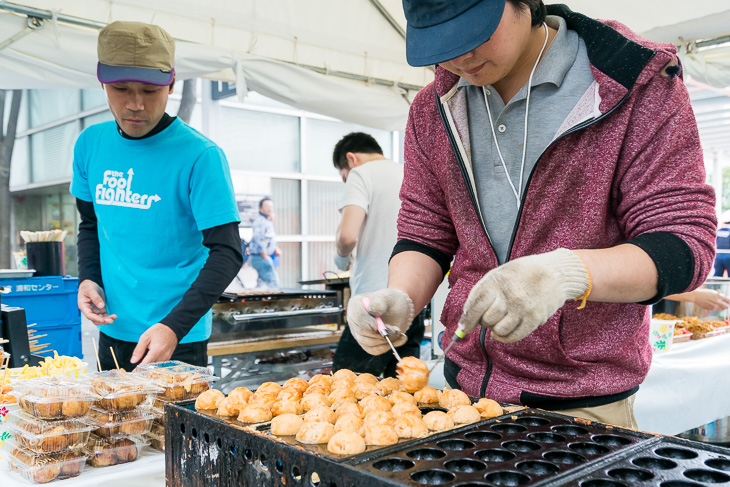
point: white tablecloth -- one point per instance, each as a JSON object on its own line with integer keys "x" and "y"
{"x": 687, "y": 386}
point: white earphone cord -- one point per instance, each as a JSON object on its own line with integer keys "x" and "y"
{"x": 517, "y": 192}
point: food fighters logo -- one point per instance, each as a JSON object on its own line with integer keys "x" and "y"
{"x": 116, "y": 190}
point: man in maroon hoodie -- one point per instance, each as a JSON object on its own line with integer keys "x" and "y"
{"x": 556, "y": 160}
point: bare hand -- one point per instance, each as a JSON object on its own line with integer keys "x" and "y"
{"x": 91, "y": 302}
{"x": 710, "y": 299}
{"x": 277, "y": 251}
{"x": 158, "y": 342}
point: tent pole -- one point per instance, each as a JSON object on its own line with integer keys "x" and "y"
{"x": 33, "y": 24}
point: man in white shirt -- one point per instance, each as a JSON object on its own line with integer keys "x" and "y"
{"x": 369, "y": 213}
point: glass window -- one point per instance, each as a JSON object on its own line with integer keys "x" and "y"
{"x": 322, "y": 135}
{"x": 258, "y": 141}
{"x": 290, "y": 264}
{"x": 20, "y": 163}
{"x": 286, "y": 195}
{"x": 104, "y": 116}
{"x": 93, "y": 98}
{"x": 324, "y": 198}
{"x": 52, "y": 152}
{"x": 50, "y": 105}
{"x": 321, "y": 259}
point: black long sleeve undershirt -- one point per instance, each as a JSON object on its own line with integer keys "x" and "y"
{"x": 223, "y": 263}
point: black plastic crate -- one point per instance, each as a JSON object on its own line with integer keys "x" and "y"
{"x": 667, "y": 462}
{"x": 523, "y": 448}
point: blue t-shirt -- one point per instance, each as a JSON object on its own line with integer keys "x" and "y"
{"x": 152, "y": 198}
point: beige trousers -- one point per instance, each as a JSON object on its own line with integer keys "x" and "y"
{"x": 619, "y": 413}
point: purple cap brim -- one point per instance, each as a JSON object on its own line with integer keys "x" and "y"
{"x": 448, "y": 40}
{"x": 117, "y": 74}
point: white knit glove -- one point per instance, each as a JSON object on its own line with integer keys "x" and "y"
{"x": 517, "y": 297}
{"x": 341, "y": 262}
{"x": 393, "y": 306}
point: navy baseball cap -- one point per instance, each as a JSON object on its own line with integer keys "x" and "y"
{"x": 439, "y": 30}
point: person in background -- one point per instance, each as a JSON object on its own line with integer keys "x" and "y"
{"x": 722, "y": 259}
{"x": 369, "y": 211}
{"x": 556, "y": 159}
{"x": 158, "y": 236}
{"x": 263, "y": 245}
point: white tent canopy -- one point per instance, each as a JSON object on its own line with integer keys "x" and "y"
{"x": 274, "y": 46}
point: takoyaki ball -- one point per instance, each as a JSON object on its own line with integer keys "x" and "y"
{"x": 74, "y": 408}
{"x": 349, "y": 408}
{"x": 315, "y": 432}
{"x": 126, "y": 450}
{"x": 346, "y": 443}
{"x": 53, "y": 440}
{"x": 45, "y": 409}
{"x": 254, "y": 414}
{"x": 198, "y": 387}
{"x": 133, "y": 427}
{"x": 209, "y": 399}
{"x": 464, "y": 414}
{"x": 388, "y": 386}
{"x": 174, "y": 393}
{"x": 342, "y": 384}
{"x": 320, "y": 413}
{"x": 286, "y": 425}
{"x": 339, "y": 397}
{"x": 102, "y": 455}
{"x": 42, "y": 473}
{"x": 228, "y": 408}
{"x": 262, "y": 400}
{"x": 427, "y": 395}
{"x": 367, "y": 378}
{"x": 488, "y": 408}
{"x": 400, "y": 396}
{"x": 269, "y": 388}
{"x": 239, "y": 396}
{"x": 321, "y": 378}
{"x": 363, "y": 389}
{"x": 344, "y": 374}
{"x": 403, "y": 408}
{"x": 311, "y": 401}
{"x": 375, "y": 403}
{"x": 410, "y": 426}
{"x": 286, "y": 407}
{"x": 71, "y": 464}
{"x": 289, "y": 394}
{"x": 319, "y": 388}
{"x": 438, "y": 421}
{"x": 349, "y": 422}
{"x": 379, "y": 417}
{"x": 296, "y": 383}
{"x": 452, "y": 398}
{"x": 413, "y": 373}
{"x": 379, "y": 434}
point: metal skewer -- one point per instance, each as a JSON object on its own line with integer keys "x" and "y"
{"x": 381, "y": 328}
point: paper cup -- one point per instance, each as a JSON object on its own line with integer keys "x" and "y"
{"x": 661, "y": 334}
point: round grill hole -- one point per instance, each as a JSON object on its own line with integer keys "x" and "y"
{"x": 219, "y": 442}
{"x": 709, "y": 476}
{"x": 532, "y": 421}
{"x": 394, "y": 464}
{"x": 279, "y": 466}
{"x": 426, "y": 454}
{"x": 719, "y": 463}
{"x": 472, "y": 484}
{"x": 676, "y": 453}
{"x": 507, "y": 478}
{"x": 601, "y": 483}
{"x": 564, "y": 457}
{"x": 455, "y": 444}
{"x": 537, "y": 467}
{"x": 678, "y": 483}
{"x": 521, "y": 445}
{"x": 588, "y": 448}
{"x": 247, "y": 454}
{"x": 182, "y": 428}
{"x": 495, "y": 455}
{"x": 611, "y": 440}
{"x": 508, "y": 428}
{"x": 465, "y": 465}
{"x": 569, "y": 429}
{"x": 206, "y": 438}
{"x": 630, "y": 474}
{"x": 654, "y": 463}
{"x": 482, "y": 436}
{"x": 264, "y": 462}
{"x": 546, "y": 437}
{"x": 233, "y": 449}
{"x": 296, "y": 474}
{"x": 195, "y": 433}
{"x": 314, "y": 479}
{"x": 432, "y": 477}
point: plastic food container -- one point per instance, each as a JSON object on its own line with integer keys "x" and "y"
{"x": 179, "y": 381}
{"x": 43, "y": 468}
{"x": 110, "y": 424}
{"x": 682, "y": 337}
{"x": 43, "y": 437}
{"x": 122, "y": 391}
{"x": 661, "y": 334}
{"x": 55, "y": 397}
{"x": 156, "y": 437}
{"x": 103, "y": 452}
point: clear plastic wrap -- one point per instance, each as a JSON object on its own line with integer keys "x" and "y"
{"x": 103, "y": 452}
{"x": 55, "y": 397}
{"x": 122, "y": 391}
{"x": 179, "y": 380}
{"x": 156, "y": 436}
{"x": 43, "y": 437}
{"x": 116, "y": 424}
{"x": 44, "y": 468}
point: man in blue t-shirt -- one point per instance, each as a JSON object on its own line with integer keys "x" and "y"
{"x": 263, "y": 246}
{"x": 158, "y": 238}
